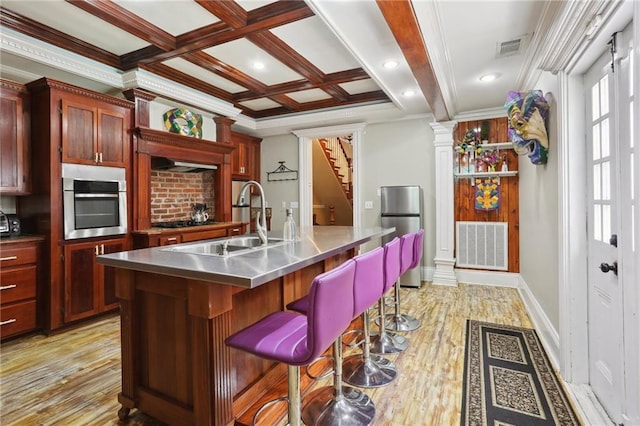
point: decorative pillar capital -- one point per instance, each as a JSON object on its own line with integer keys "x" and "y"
{"x": 443, "y": 131}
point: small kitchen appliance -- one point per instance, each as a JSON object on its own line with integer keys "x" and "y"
{"x": 199, "y": 214}
{"x": 9, "y": 225}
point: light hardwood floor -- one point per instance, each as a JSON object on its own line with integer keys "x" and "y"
{"x": 73, "y": 378}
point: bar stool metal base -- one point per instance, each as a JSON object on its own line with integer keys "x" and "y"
{"x": 387, "y": 343}
{"x": 401, "y": 322}
{"x": 353, "y": 408}
{"x": 370, "y": 373}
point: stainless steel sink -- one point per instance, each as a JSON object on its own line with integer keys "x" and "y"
{"x": 228, "y": 247}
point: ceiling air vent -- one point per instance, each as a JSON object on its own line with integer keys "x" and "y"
{"x": 510, "y": 47}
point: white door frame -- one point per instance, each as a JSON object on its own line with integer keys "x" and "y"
{"x": 573, "y": 239}
{"x": 306, "y": 137}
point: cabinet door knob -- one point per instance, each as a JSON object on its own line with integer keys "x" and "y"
{"x": 96, "y": 250}
{"x": 95, "y": 157}
{"x": 100, "y": 157}
{"x": 101, "y": 248}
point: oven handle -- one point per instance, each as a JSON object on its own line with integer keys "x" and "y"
{"x": 96, "y": 195}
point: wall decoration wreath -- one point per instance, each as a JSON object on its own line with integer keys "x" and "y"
{"x": 183, "y": 122}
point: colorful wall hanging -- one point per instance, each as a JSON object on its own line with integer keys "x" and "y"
{"x": 527, "y": 112}
{"x": 487, "y": 195}
{"x": 183, "y": 122}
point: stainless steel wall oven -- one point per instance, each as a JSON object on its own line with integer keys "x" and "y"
{"x": 95, "y": 201}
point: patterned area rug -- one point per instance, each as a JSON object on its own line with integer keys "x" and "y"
{"x": 508, "y": 380}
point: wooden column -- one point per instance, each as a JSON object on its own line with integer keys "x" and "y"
{"x": 141, "y": 162}
{"x": 444, "y": 260}
{"x": 223, "y": 184}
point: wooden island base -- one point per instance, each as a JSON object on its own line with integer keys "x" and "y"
{"x": 175, "y": 364}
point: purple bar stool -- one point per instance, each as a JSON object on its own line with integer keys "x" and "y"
{"x": 296, "y": 339}
{"x": 409, "y": 259}
{"x": 367, "y": 370}
{"x": 335, "y": 405}
{"x": 385, "y": 342}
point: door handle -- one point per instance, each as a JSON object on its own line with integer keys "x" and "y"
{"x": 605, "y": 267}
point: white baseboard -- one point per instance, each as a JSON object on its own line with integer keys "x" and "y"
{"x": 585, "y": 402}
{"x": 587, "y": 405}
{"x": 546, "y": 331}
{"x": 490, "y": 278}
{"x": 426, "y": 273}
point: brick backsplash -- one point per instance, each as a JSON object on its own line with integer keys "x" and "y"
{"x": 174, "y": 194}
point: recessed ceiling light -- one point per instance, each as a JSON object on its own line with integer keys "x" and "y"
{"x": 488, "y": 77}
{"x": 390, "y": 64}
{"x": 408, "y": 93}
{"x": 258, "y": 65}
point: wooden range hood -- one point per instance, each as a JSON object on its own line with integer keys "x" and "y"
{"x": 155, "y": 143}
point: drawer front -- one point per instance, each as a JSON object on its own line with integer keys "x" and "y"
{"x": 17, "y": 318}
{"x": 169, "y": 239}
{"x": 12, "y": 256}
{"x": 205, "y": 235}
{"x": 17, "y": 284}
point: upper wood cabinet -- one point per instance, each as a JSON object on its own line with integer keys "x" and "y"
{"x": 15, "y": 160}
{"x": 94, "y": 133}
{"x": 245, "y": 158}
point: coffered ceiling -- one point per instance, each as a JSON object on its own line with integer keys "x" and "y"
{"x": 264, "y": 61}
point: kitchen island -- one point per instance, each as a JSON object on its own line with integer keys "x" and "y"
{"x": 177, "y": 308}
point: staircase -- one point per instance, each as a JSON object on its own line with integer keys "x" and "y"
{"x": 339, "y": 155}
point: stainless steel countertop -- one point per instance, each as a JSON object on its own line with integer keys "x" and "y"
{"x": 251, "y": 269}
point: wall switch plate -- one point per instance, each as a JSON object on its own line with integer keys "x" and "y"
{"x": 368, "y": 204}
{"x": 293, "y": 204}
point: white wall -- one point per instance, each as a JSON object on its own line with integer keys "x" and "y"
{"x": 272, "y": 150}
{"x": 400, "y": 153}
{"x": 395, "y": 153}
{"x": 539, "y": 254}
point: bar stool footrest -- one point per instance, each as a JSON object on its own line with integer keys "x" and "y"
{"x": 374, "y": 372}
{"x": 353, "y": 408}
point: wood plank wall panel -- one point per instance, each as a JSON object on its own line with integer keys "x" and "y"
{"x": 508, "y": 211}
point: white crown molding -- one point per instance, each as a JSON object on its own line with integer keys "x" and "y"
{"x": 145, "y": 80}
{"x": 481, "y": 114}
{"x": 35, "y": 50}
{"x": 571, "y": 24}
{"x": 530, "y": 70}
{"x": 22, "y": 75}
{"x": 329, "y": 131}
{"x": 429, "y": 20}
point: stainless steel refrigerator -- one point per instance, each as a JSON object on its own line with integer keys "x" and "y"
{"x": 401, "y": 207}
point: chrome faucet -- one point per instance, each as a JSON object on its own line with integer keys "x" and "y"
{"x": 261, "y": 218}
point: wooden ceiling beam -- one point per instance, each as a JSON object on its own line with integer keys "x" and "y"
{"x": 227, "y": 11}
{"x": 228, "y": 72}
{"x": 375, "y": 96}
{"x": 189, "y": 81}
{"x": 220, "y": 32}
{"x": 403, "y": 23}
{"x": 120, "y": 17}
{"x": 299, "y": 85}
{"x": 17, "y": 22}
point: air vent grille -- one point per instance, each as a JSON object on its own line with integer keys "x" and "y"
{"x": 482, "y": 245}
{"x": 510, "y": 47}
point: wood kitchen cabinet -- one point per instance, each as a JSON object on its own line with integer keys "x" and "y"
{"x": 19, "y": 286}
{"x": 89, "y": 287}
{"x": 14, "y": 139}
{"x": 245, "y": 159}
{"x": 71, "y": 124}
{"x": 156, "y": 237}
{"x": 94, "y": 133}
